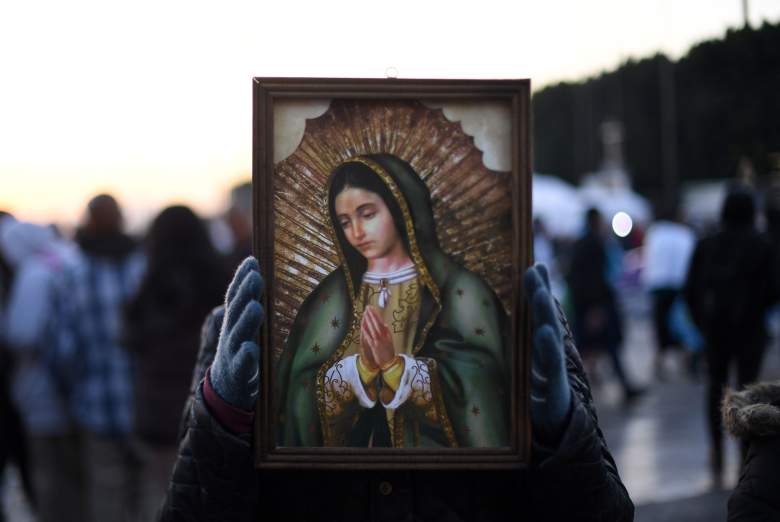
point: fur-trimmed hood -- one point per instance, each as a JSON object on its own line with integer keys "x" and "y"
{"x": 754, "y": 412}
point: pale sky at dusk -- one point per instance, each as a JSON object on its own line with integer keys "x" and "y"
{"x": 151, "y": 100}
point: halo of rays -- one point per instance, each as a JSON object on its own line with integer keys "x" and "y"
{"x": 471, "y": 203}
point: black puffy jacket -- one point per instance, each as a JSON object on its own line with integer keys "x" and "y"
{"x": 214, "y": 478}
{"x": 754, "y": 416}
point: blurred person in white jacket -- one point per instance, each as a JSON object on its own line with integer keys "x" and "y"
{"x": 29, "y": 328}
{"x": 668, "y": 247}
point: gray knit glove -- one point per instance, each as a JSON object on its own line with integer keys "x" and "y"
{"x": 550, "y": 391}
{"x": 235, "y": 372}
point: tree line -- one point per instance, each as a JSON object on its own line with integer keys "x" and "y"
{"x": 683, "y": 120}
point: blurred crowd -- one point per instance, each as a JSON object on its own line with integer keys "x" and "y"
{"x": 712, "y": 293}
{"x": 99, "y": 332}
{"x": 98, "y": 339}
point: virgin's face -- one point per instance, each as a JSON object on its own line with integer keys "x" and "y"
{"x": 367, "y": 223}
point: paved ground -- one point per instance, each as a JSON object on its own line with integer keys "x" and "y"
{"x": 659, "y": 442}
{"x": 710, "y": 506}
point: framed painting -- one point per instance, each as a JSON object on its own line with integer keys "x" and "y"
{"x": 392, "y": 225}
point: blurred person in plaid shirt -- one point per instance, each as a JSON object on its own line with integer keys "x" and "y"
{"x": 103, "y": 282}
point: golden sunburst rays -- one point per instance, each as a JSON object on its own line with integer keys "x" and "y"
{"x": 471, "y": 204}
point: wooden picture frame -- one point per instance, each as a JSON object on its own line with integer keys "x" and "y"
{"x": 468, "y": 328}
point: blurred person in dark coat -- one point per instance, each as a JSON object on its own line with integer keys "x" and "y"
{"x": 184, "y": 280}
{"x": 597, "y": 321}
{"x": 729, "y": 290}
{"x": 772, "y": 214}
{"x": 753, "y": 416}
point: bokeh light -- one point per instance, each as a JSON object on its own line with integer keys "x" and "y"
{"x": 622, "y": 224}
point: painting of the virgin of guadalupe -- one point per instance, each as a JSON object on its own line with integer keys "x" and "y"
{"x": 394, "y": 337}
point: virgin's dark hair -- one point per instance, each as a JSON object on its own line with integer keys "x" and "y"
{"x": 359, "y": 175}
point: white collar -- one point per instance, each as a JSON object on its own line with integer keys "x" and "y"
{"x": 391, "y": 278}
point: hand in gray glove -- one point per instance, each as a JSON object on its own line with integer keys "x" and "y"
{"x": 550, "y": 391}
{"x": 235, "y": 371}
